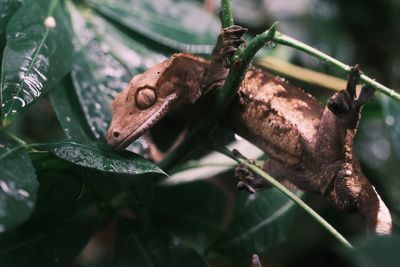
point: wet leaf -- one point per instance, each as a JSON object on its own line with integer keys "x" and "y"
{"x": 262, "y": 223}
{"x": 181, "y": 25}
{"x": 376, "y": 251}
{"x": 136, "y": 247}
{"x": 46, "y": 244}
{"x": 100, "y": 157}
{"x": 106, "y": 62}
{"x": 7, "y": 9}
{"x": 18, "y": 184}
{"x": 36, "y": 56}
{"x": 69, "y": 113}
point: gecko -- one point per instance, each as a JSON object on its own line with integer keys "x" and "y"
{"x": 310, "y": 147}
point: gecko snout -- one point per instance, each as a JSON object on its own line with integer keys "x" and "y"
{"x": 113, "y": 137}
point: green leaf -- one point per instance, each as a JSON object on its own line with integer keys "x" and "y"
{"x": 100, "y": 157}
{"x": 47, "y": 244}
{"x": 18, "y": 184}
{"x": 61, "y": 192}
{"x": 7, "y": 9}
{"x": 181, "y": 25}
{"x": 184, "y": 211}
{"x": 106, "y": 62}
{"x": 376, "y": 251}
{"x": 68, "y": 111}
{"x": 262, "y": 223}
{"x": 36, "y": 56}
{"x": 136, "y": 247}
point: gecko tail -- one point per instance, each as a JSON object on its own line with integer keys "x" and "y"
{"x": 352, "y": 192}
{"x": 374, "y": 211}
{"x": 383, "y": 225}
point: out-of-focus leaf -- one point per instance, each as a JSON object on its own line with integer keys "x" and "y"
{"x": 18, "y": 184}
{"x": 38, "y": 54}
{"x": 69, "y": 113}
{"x": 46, "y": 244}
{"x": 391, "y": 112}
{"x": 376, "y": 251}
{"x": 136, "y": 247}
{"x": 262, "y": 223}
{"x": 181, "y": 25}
{"x": 378, "y": 149}
{"x": 100, "y": 157}
{"x": 106, "y": 62}
{"x": 7, "y": 9}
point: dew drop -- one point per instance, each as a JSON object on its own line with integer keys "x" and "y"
{"x": 270, "y": 44}
{"x": 2, "y": 228}
{"x": 4, "y": 186}
{"x": 50, "y": 22}
{"x": 68, "y": 119}
{"x": 23, "y": 193}
{"x": 389, "y": 120}
{"x": 97, "y": 105}
{"x": 109, "y": 167}
{"x": 20, "y": 100}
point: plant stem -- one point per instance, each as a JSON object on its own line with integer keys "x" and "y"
{"x": 289, "y": 194}
{"x": 227, "y": 18}
{"x": 15, "y": 138}
{"x": 289, "y": 41}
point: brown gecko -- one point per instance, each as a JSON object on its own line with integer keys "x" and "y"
{"x": 310, "y": 147}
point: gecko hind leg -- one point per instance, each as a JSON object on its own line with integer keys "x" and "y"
{"x": 345, "y": 105}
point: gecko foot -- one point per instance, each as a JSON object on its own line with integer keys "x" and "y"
{"x": 247, "y": 180}
{"x": 345, "y": 105}
{"x": 228, "y": 42}
{"x": 245, "y": 177}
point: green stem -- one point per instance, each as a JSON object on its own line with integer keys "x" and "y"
{"x": 283, "y": 39}
{"x": 15, "y": 138}
{"x": 289, "y": 194}
{"x": 227, "y": 17}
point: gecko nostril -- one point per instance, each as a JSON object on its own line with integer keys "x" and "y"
{"x": 116, "y": 134}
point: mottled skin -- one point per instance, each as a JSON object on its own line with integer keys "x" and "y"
{"x": 310, "y": 147}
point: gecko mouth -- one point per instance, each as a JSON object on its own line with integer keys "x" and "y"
{"x": 147, "y": 124}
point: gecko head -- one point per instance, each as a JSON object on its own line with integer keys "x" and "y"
{"x": 148, "y": 98}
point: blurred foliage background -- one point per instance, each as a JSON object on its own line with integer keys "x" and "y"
{"x": 84, "y": 205}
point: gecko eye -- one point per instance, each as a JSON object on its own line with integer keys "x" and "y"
{"x": 145, "y": 98}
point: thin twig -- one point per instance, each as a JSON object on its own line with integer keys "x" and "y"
{"x": 289, "y": 194}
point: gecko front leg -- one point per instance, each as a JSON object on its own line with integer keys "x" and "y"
{"x": 228, "y": 42}
{"x": 249, "y": 181}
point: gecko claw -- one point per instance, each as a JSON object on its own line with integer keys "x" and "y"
{"x": 352, "y": 80}
{"x": 228, "y": 42}
{"x": 234, "y": 30}
{"x": 244, "y": 186}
